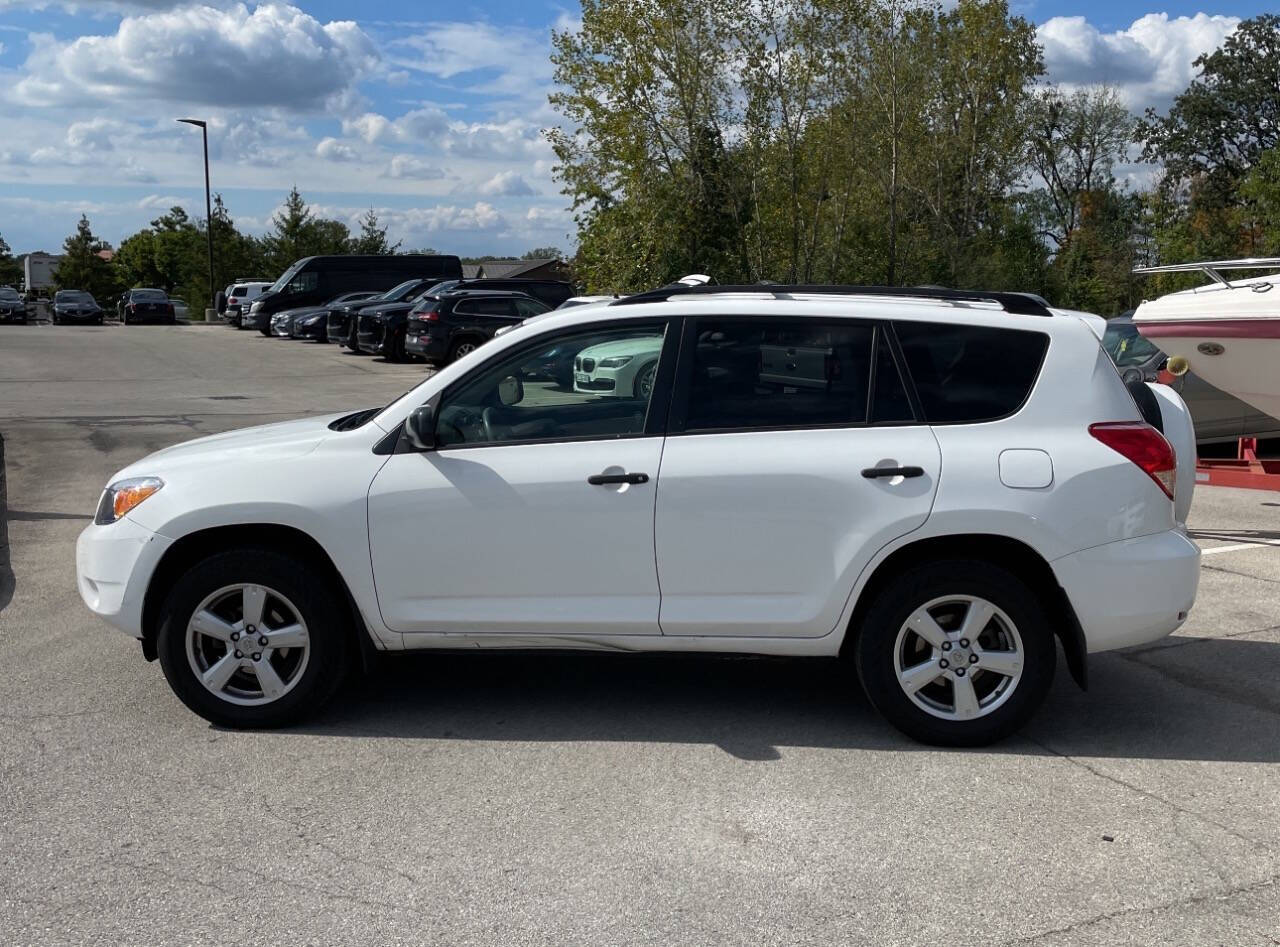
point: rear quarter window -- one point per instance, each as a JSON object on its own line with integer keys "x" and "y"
{"x": 966, "y": 374}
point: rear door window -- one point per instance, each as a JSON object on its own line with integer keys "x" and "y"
{"x": 965, "y": 374}
{"x": 793, "y": 373}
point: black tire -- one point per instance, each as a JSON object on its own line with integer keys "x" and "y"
{"x": 395, "y": 351}
{"x": 645, "y": 375}
{"x": 461, "y": 347}
{"x": 353, "y": 342}
{"x": 100, "y": 320}
{"x": 319, "y": 605}
{"x": 874, "y": 650}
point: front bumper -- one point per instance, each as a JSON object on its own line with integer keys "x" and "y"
{"x": 114, "y": 565}
{"x": 1133, "y": 591}
{"x": 15, "y": 315}
{"x": 337, "y": 327}
{"x": 370, "y": 338}
{"x": 310, "y": 330}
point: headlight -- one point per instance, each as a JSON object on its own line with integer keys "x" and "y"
{"x": 256, "y": 307}
{"x": 616, "y": 362}
{"x": 122, "y": 496}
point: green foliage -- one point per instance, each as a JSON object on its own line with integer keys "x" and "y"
{"x": 372, "y": 239}
{"x": 82, "y": 268}
{"x": 10, "y": 268}
{"x": 543, "y": 253}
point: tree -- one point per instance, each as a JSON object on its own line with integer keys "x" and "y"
{"x": 646, "y": 88}
{"x": 1074, "y": 144}
{"x": 10, "y": 269}
{"x": 543, "y": 253}
{"x": 290, "y": 236}
{"x": 1226, "y": 118}
{"x": 82, "y": 267}
{"x": 372, "y": 239}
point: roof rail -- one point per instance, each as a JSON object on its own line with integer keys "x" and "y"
{"x": 1211, "y": 268}
{"x": 1022, "y": 304}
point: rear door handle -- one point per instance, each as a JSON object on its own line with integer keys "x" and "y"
{"x": 871, "y": 473}
{"x": 600, "y": 480}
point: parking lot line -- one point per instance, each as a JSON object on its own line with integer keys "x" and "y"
{"x": 1234, "y": 547}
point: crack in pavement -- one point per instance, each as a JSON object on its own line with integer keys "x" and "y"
{"x": 1148, "y": 909}
{"x": 1242, "y": 575}
{"x": 343, "y": 859}
{"x": 1251, "y": 843}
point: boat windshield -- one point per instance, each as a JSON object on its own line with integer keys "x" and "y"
{"x": 1126, "y": 345}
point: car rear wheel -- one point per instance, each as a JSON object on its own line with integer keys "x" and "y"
{"x": 462, "y": 347}
{"x": 251, "y": 637}
{"x": 956, "y": 653}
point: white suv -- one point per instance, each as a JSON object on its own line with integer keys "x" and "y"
{"x": 954, "y": 481}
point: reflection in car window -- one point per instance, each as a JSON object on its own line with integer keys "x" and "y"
{"x": 579, "y": 385}
{"x": 1126, "y": 345}
{"x": 752, "y": 373}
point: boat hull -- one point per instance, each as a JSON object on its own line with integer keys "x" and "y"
{"x": 1240, "y": 356}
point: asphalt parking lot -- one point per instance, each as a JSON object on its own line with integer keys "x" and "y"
{"x": 557, "y": 800}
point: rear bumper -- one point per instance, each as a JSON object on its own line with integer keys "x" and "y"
{"x": 1133, "y": 591}
{"x": 426, "y": 344}
{"x": 114, "y": 564}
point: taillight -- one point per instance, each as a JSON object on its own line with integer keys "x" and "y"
{"x": 431, "y": 315}
{"x": 1145, "y": 446}
{"x": 171, "y": 309}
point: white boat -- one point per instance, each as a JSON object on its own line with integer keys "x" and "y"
{"x": 1228, "y": 331}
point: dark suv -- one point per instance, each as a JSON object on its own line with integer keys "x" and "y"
{"x": 340, "y": 326}
{"x": 550, "y": 291}
{"x": 445, "y": 326}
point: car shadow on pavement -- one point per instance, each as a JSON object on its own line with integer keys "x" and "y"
{"x": 1156, "y": 703}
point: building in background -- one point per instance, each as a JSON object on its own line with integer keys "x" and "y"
{"x": 517, "y": 269}
{"x": 38, "y": 271}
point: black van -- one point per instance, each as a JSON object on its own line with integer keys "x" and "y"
{"x": 316, "y": 279}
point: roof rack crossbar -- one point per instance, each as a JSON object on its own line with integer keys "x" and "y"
{"x": 1015, "y": 303}
{"x": 1212, "y": 268}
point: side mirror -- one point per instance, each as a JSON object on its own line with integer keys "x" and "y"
{"x": 510, "y": 391}
{"x": 420, "y": 427}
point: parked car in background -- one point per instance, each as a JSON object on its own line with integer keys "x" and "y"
{"x": 312, "y": 280}
{"x": 75, "y": 306}
{"x": 12, "y": 306}
{"x": 282, "y": 323}
{"x": 147, "y": 305}
{"x": 575, "y": 301}
{"x": 240, "y": 303}
{"x": 940, "y": 526}
{"x": 180, "y": 309}
{"x": 552, "y": 292}
{"x": 443, "y": 327}
{"x": 626, "y": 368}
{"x": 1218, "y": 416}
{"x": 341, "y": 324}
{"x": 316, "y": 325}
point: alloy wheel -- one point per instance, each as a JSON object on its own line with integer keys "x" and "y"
{"x": 958, "y": 657}
{"x": 247, "y": 644}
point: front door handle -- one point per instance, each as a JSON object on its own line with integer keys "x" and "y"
{"x": 600, "y": 480}
{"x": 871, "y": 473}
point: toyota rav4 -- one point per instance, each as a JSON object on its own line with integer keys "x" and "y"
{"x": 938, "y": 486}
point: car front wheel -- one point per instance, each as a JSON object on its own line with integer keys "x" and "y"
{"x": 956, "y": 653}
{"x": 252, "y": 637}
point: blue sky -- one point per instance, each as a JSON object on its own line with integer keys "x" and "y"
{"x": 429, "y": 112}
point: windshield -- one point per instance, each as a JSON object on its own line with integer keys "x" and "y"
{"x": 1126, "y": 345}
{"x": 397, "y": 293}
{"x": 7, "y": 292}
{"x": 287, "y": 275}
{"x": 149, "y": 294}
{"x": 72, "y": 296}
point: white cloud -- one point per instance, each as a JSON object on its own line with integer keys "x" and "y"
{"x": 161, "y": 202}
{"x": 507, "y": 184}
{"x": 330, "y": 149}
{"x": 407, "y": 166}
{"x": 96, "y": 134}
{"x": 276, "y": 55}
{"x": 1149, "y": 62}
{"x": 517, "y": 60}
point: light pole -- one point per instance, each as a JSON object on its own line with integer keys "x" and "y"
{"x": 208, "y": 206}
